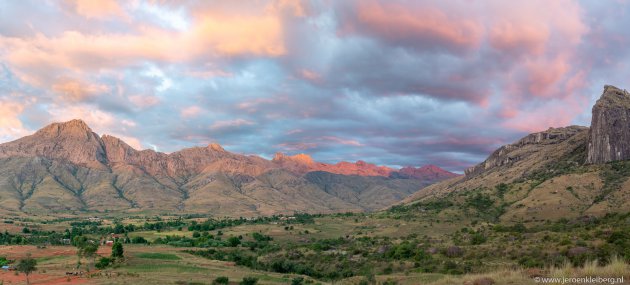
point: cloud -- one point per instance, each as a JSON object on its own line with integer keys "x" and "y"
{"x": 230, "y": 124}
{"x": 390, "y": 82}
{"x": 74, "y": 90}
{"x": 144, "y": 101}
{"x": 191, "y": 111}
{"x": 420, "y": 26}
{"x": 98, "y": 8}
{"x": 342, "y": 141}
{"x": 256, "y": 35}
{"x": 10, "y": 124}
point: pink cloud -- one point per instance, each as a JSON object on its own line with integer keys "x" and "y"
{"x": 310, "y": 75}
{"x": 414, "y": 25}
{"x": 294, "y": 131}
{"x": 191, "y": 111}
{"x": 144, "y": 101}
{"x": 75, "y": 90}
{"x": 297, "y": 146}
{"x": 99, "y": 9}
{"x": 230, "y": 124}
{"x": 543, "y": 76}
{"x": 530, "y": 38}
{"x": 10, "y": 125}
{"x": 252, "y": 106}
{"x": 342, "y": 141}
{"x": 555, "y": 114}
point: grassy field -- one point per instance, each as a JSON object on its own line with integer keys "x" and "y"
{"x": 168, "y": 265}
{"x": 401, "y": 246}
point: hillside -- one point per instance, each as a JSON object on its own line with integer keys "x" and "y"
{"x": 565, "y": 172}
{"x": 67, "y": 167}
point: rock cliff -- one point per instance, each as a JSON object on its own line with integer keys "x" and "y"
{"x": 609, "y": 136}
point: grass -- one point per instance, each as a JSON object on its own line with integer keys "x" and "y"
{"x": 158, "y": 255}
{"x": 164, "y": 267}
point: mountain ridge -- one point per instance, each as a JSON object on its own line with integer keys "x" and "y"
{"x": 68, "y": 167}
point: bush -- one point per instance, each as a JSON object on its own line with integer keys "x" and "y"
{"x": 249, "y": 281}
{"x": 477, "y": 238}
{"x": 138, "y": 240}
{"x": 297, "y": 281}
{"x": 103, "y": 262}
{"x": 234, "y": 241}
{"x": 221, "y": 280}
{"x": 3, "y": 261}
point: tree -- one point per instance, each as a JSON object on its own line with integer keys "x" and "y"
{"x": 117, "y": 250}
{"x": 27, "y": 266}
{"x": 249, "y": 281}
{"x": 79, "y": 242}
{"x": 88, "y": 250}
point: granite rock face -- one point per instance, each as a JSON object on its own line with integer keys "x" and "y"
{"x": 609, "y": 136}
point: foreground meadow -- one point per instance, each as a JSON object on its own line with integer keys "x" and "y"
{"x": 399, "y": 246}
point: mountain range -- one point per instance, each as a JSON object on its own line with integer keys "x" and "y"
{"x": 66, "y": 167}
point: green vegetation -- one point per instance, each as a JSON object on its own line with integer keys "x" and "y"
{"x": 221, "y": 280}
{"x": 117, "y": 250}
{"x": 3, "y": 261}
{"x": 249, "y": 281}
{"x": 470, "y": 239}
{"x": 104, "y": 262}
{"x": 157, "y": 255}
{"x": 614, "y": 174}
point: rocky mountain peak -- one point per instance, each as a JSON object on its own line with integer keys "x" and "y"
{"x": 71, "y": 141}
{"x": 300, "y": 158}
{"x": 609, "y": 136}
{"x": 216, "y": 147}
{"x": 74, "y": 128}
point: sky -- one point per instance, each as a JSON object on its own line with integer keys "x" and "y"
{"x": 392, "y": 82}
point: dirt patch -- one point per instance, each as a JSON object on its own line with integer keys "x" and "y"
{"x": 20, "y": 251}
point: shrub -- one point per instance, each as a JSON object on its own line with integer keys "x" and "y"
{"x": 103, "y": 262}
{"x": 234, "y": 241}
{"x": 297, "y": 281}
{"x": 477, "y": 238}
{"x": 221, "y": 280}
{"x": 138, "y": 239}
{"x": 249, "y": 281}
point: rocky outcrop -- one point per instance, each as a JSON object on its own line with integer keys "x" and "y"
{"x": 609, "y": 136}
{"x": 509, "y": 154}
